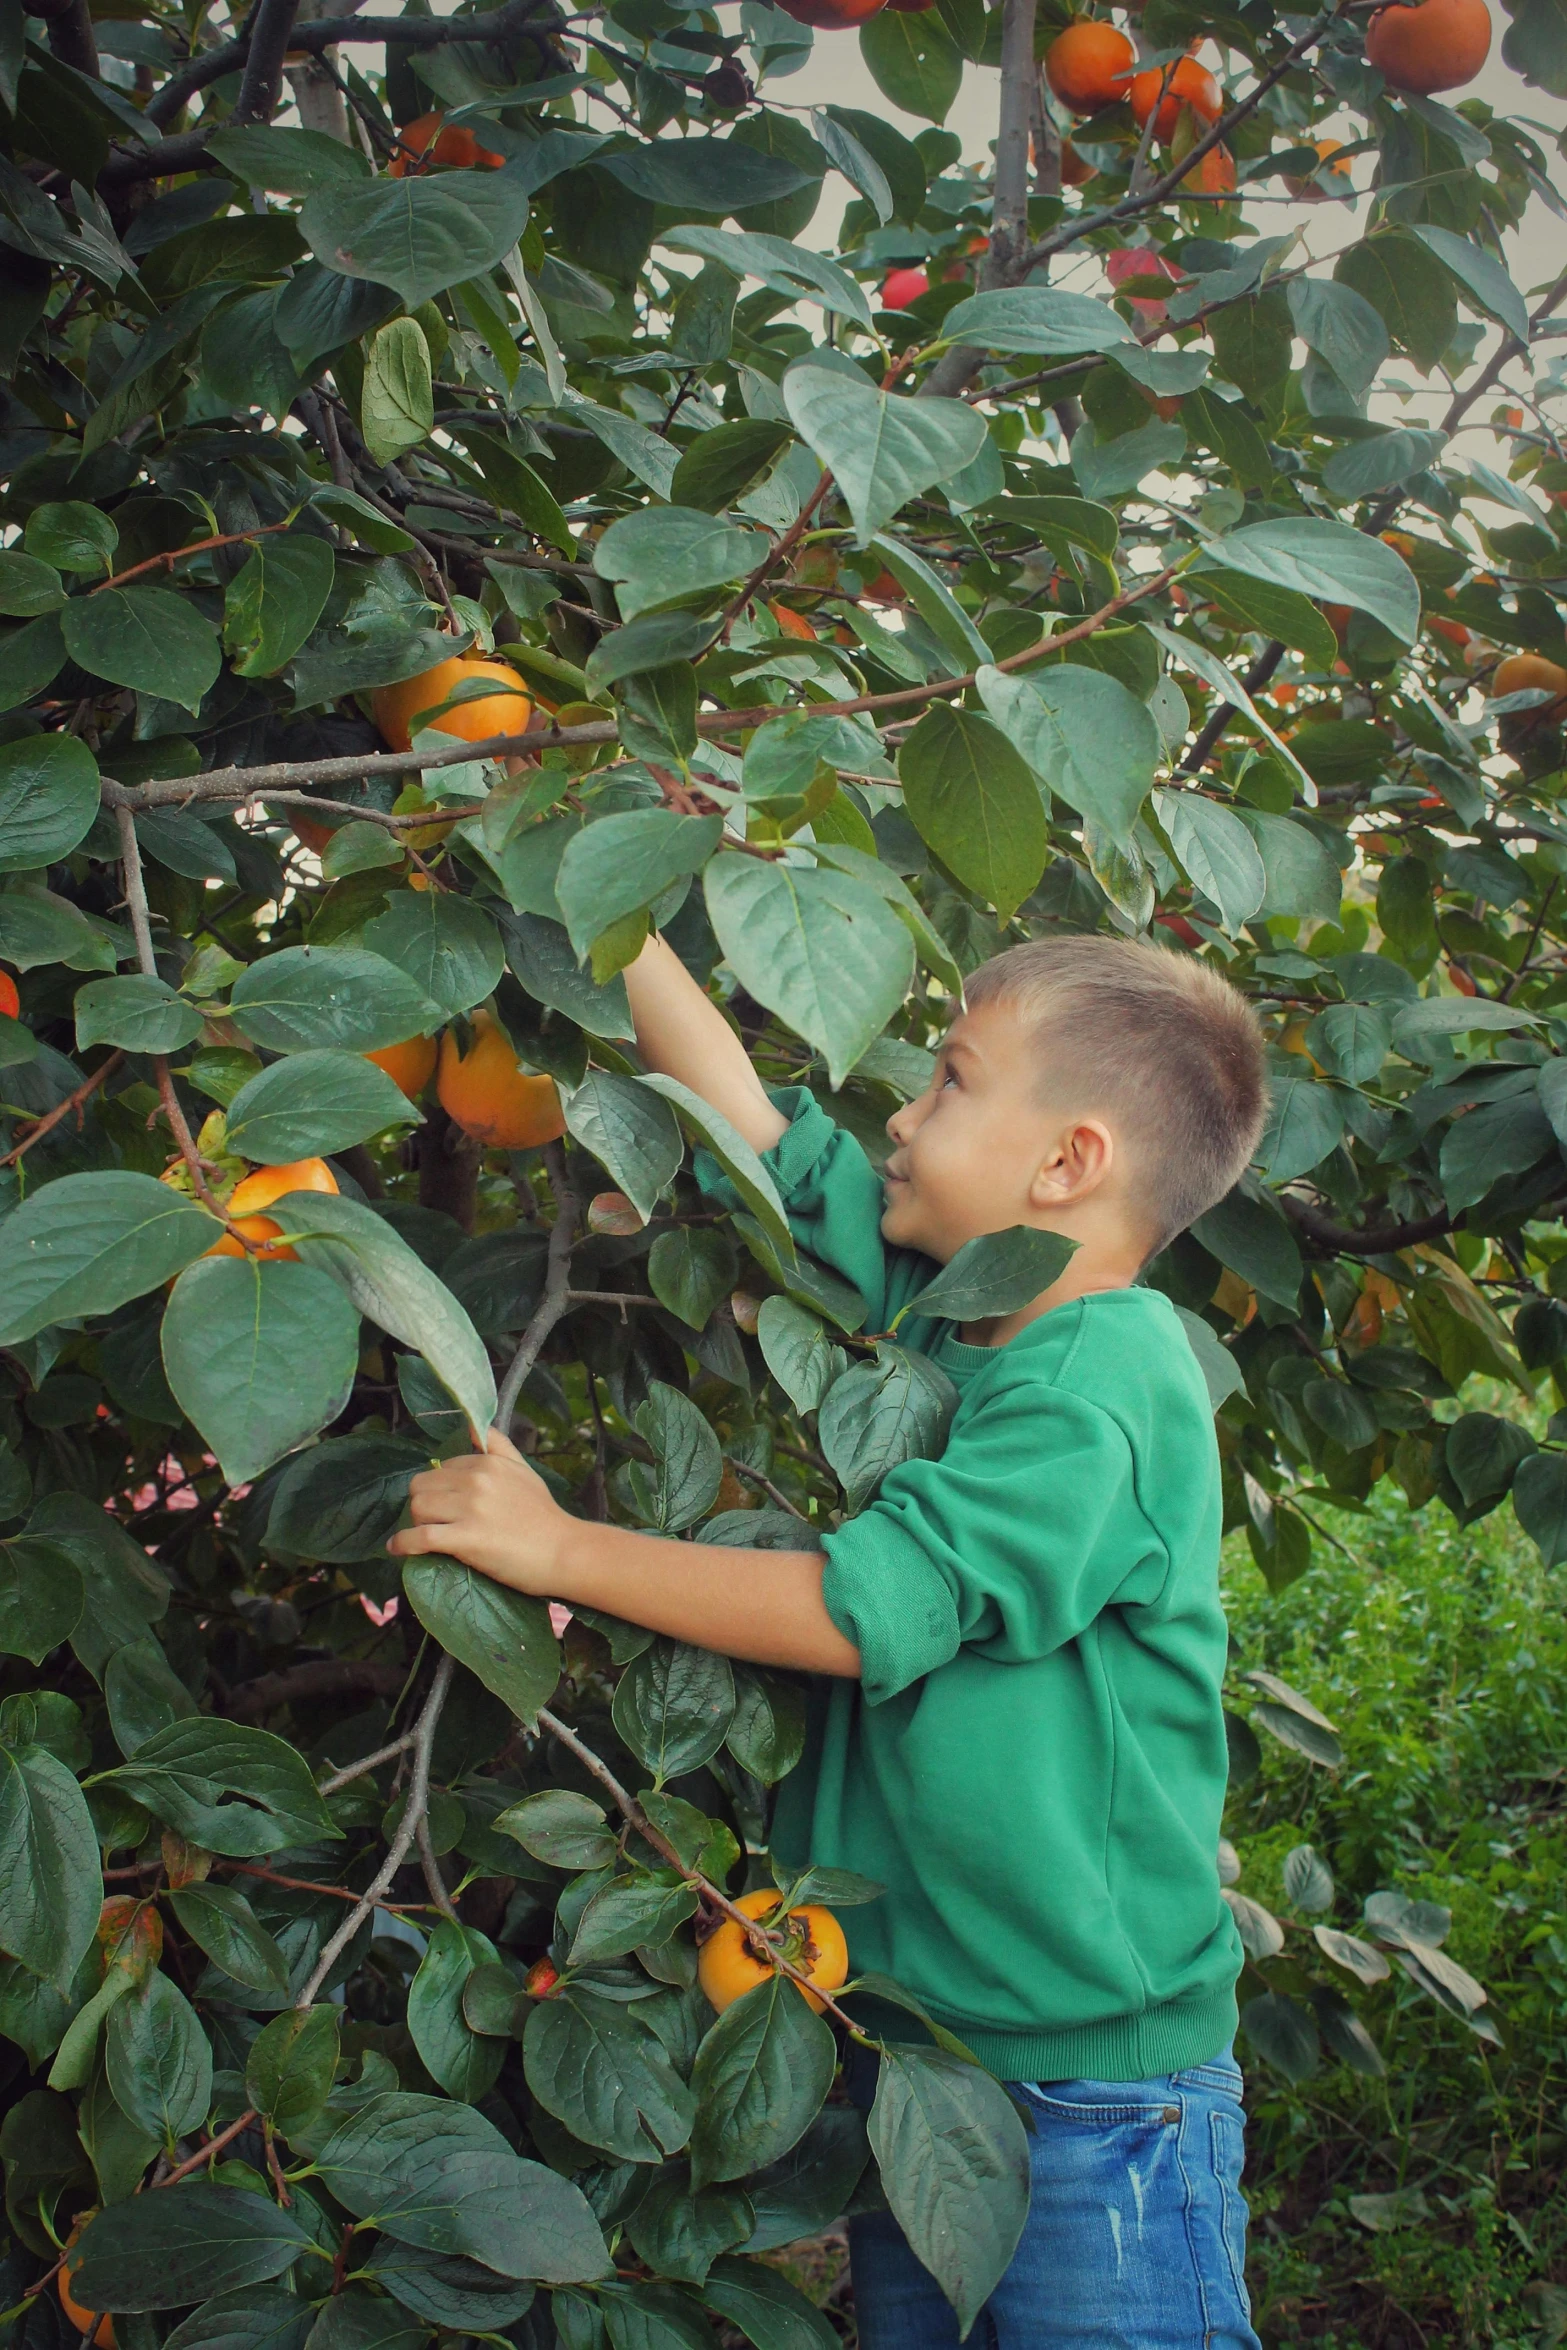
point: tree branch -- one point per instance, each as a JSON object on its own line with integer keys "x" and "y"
{"x": 73, "y": 1101}
{"x": 557, "y": 1288}
{"x": 1376, "y": 1240}
{"x": 70, "y": 33}
{"x": 317, "y": 1677}
{"x": 147, "y": 963}
{"x": 414, "y": 1807}
{"x": 1255, "y": 679}
{"x": 259, "y": 783}
{"x": 1005, "y": 263}
{"x": 371, "y": 1762}
{"x": 261, "y": 89}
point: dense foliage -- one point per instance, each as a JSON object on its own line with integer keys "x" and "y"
{"x": 862, "y": 612}
{"x": 1424, "y": 2203}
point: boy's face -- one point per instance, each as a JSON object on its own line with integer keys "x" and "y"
{"x": 967, "y": 1154}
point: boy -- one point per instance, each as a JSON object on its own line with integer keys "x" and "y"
{"x": 1022, "y": 1736}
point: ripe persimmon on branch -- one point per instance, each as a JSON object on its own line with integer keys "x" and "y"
{"x": 448, "y": 536}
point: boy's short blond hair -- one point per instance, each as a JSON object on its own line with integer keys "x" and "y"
{"x": 1159, "y": 1044}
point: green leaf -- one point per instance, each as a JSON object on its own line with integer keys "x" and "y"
{"x": 952, "y": 2155}
{"x": 181, "y": 1774}
{"x": 974, "y": 800}
{"x": 1540, "y": 1499}
{"x": 447, "y": 2290}
{"x": 87, "y": 1243}
{"x": 143, "y": 1694}
{"x": 156, "y": 2252}
{"x": 995, "y": 1274}
{"x": 882, "y": 1413}
{"x": 303, "y": 997}
{"x": 48, "y": 799}
{"x": 37, "y": 927}
{"x": 1284, "y": 2033}
{"x": 338, "y": 1502}
{"x": 290, "y": 2068}
{"x": 630, "y": 1132}
{"x": 659, "y": 556}
{"x": 503, "y": 1637}
{"x": 622, "y": 863}
{"x": 627, "y": 1915}
{"x": 275, "y": 598}
{"x": 914, "y": 61}
{"x": 434, "y": 2172}
{"x": 935, "y": 604}
{"x": 143, "y": 1014}
{"x": 1482, "y": 276}
{"x": 1084, "y": 734}
{"x": 881, "y": 448}
{"x": 680, "y": 2233}
{"x": 733, "y": 1153}
{"x": 796, "y": 1351}
{"x": 1380, "y": 463}
{"x": 285, "y": 161}
{"x": 765, "y": 2307}
{"x": 691, "y": 1270}
{"x": 313, "y": 1103}
{"x": 787, "y": 268}
{"x": 1257, "y": 605}
{"x": 1409, "y": 289}
{"x": 564, "y": 1829}
{"x": 148, "y": 638}
{"x": 705, "y": 174}
{"x": 397, "y": 405}
{"x": 445, "y": 944}
{"x": 818, "y": 948}
{"x": 1037, "y": 322}
{"x": 259, "y": 1356}
{"x": 726, "y": 461}
{"x": 464, "y": 2064}
{"x": 600, "y": 2069}
{"x": 1218, "y": 853}
{"x": 71, "y": 535}
{"x": 1221, "y": 1372}
{"x": 158, "y": 2061}
{"x": 256, "y": 2317}
{"x": 1327, "y": 560}
{"x": 41, "y": 1597}
{"x": 418, "y": 235}
{"x": 673, "y": 1707}
{"x": 1343, "y": 329}
{"x": 1247, "y": 1232}
{"x": 51, "y": 1887}
{"x": 28, "y": 587}
{"x": 388, "y": 1282}
{"x": 761, "y": 2076}
{"x": 687, "y": 1462}
{"x": 220, "y": 1921}
{"x": 1305, "y": 1122}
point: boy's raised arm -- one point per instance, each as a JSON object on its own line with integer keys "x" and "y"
{"x": 681, "y": 1033}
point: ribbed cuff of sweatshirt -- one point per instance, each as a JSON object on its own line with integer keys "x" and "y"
{"x": 793, "y": 1156}
{"x": 883, "y": 1592}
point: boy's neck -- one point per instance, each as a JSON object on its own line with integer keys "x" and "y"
{"x": 1096, "y": 1264}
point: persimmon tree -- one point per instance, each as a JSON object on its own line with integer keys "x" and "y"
{"x": 456, "y": 518}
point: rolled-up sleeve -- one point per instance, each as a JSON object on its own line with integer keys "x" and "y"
{"x": 1011, "y": 1543}
{"x": 832, "y": 1196}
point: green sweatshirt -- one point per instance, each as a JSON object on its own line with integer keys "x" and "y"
{"x": 1033, "y": 1762}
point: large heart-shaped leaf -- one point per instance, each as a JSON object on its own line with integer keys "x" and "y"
{"x": 420, "y": 234}
{"x": 882, "y": 449}
{"x": 259, "y": 1356}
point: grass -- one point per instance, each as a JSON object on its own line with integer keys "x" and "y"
{"x": 1441, "y": 1656}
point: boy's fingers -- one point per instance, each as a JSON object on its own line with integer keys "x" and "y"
{"x": 415, "y": 1541}
{"x": 502, "y": 1445}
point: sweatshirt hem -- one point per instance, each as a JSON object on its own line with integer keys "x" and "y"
{"x": 1166, "y": 2039}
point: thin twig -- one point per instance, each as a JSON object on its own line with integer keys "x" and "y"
{"x": 557, "y": 1287}
{"x": 147, "y": 962}
{"x": 172, "y": 555}
{"x": 72, "y": 1101}
{"x": 428, "y": 1862}
{"x": 414, "y": 1804}
{"x": 372, "y": 1762}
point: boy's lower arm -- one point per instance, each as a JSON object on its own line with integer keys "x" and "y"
{"x": 682, "y": 1033}
{"x": 493, "y": 1512}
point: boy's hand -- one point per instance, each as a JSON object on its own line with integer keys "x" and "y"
{"x": 491, "y": 1511}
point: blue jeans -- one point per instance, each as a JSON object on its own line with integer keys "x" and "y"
{"x": 1136, "y": 2231}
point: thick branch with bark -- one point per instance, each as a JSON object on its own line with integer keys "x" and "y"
{"x": 1376, "y": 1240}
{"x": 304, "y": 1684}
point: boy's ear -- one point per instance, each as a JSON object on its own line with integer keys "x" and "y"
{"x": 1077, "y": 1165}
